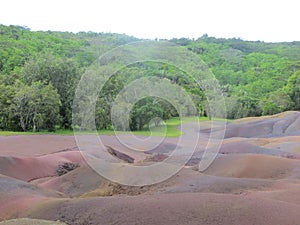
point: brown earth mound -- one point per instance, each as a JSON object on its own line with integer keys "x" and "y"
{"x": 34, "y": 145}
{"x": 255, "y": 179}
{"x": 284, "y": 124}
{"x": 185, "y": 208}
{"x": 76, "y": 182}
{"x": 18, "y": 196}
{"x": 290, "y": 194}
{"x": 30, "y": 168}
{"x": 253, "y": 166}
{"x": 188, "y": 180}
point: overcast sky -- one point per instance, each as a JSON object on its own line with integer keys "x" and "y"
{"x": 265, "y": 20}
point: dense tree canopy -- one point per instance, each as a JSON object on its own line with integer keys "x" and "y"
{"x": 36, "y": 106}
{"x": 293, "y": 89}
{"x": 39, "y": 72}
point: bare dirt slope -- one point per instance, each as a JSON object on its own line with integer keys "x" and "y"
{"x": 255, "y": 179}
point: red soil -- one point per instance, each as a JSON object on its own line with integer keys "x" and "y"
{"x": 256, "y": 180}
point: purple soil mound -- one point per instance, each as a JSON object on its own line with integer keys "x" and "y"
{"x": 289, "y": 124}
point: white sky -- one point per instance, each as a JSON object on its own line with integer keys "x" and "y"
{"x": 264, "y": 20}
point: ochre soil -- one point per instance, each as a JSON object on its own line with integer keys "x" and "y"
{"x": 255, "y": 179}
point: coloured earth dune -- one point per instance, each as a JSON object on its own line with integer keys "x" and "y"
{"x": 254, "y": 179}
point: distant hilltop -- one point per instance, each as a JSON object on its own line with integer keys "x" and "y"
{"x": 257, "y": 78}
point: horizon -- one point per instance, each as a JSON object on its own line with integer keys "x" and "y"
{"x": 162, "y": 39}
{"x": 252, "y": 21}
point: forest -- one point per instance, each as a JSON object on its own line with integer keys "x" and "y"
{"x": 40, "y": 70}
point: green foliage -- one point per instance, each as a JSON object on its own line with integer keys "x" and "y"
{"x": 170, "y": 131}
{"x": 149, "y": 109}
{"x": 293, "y": 89}
{"x": 36, "y": 106}
{"x": 39, "y": 72}
{"x": 250, "y": 72}
{"x": 62, "y": 73}
{"x": 276, "y": 102}
{"x": 7, "y": 120}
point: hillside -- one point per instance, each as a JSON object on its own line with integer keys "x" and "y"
{"x": 257, "y": 78}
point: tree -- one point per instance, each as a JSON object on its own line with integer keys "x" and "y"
{"x": 276, "y": 102}
{"x": 293, "y": 89}
{"x": 7, "y": 93}
{"x": 146, "y": 110}
{"x": 62, "y": 73}
{"x": 255, "y": 71}
{"x": 102, "y": 114}
{"x": 36, "y": 106}
{"x": 49, "y": 104}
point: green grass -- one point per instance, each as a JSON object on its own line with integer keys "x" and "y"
{"x": 57, "y": 132}
{"x": 171, "y": 129}
{"x": 13, "y": 133}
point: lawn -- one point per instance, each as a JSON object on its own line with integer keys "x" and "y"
{"x": 169, "y": 131}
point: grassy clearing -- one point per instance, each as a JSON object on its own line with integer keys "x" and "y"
{"x": 170, "y": 131}
{"x": 57, "y": 132}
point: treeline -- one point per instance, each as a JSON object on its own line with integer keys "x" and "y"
{"x": 39, "y": 72}
{"x": 258, "y": 78}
